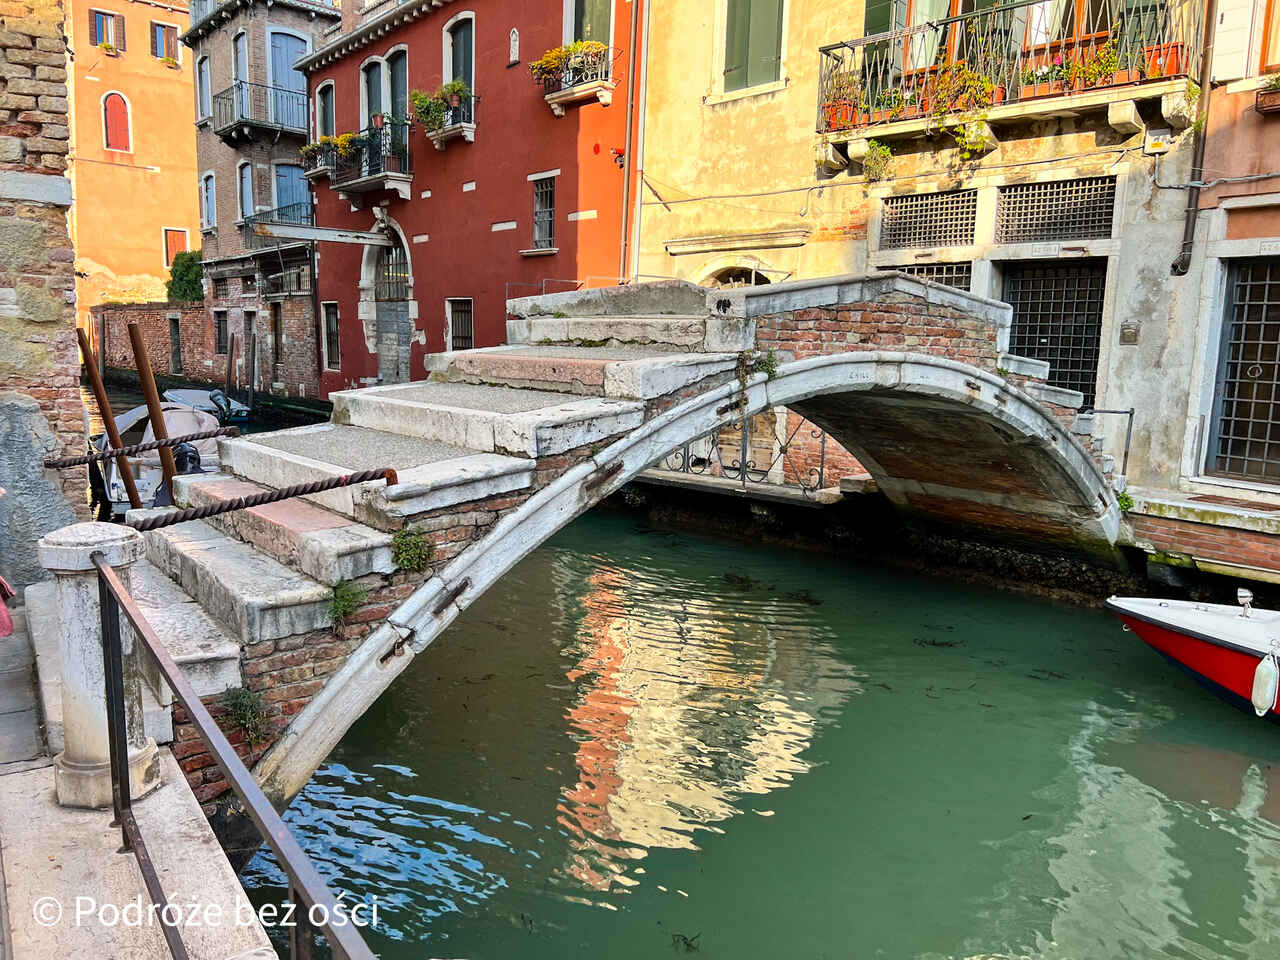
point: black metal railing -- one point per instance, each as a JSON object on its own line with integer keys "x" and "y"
{"x": 261, "y": 105}
{"x": 300, "y": 213}
{"x": 464, "y": 111}
{"x": 586, "y": 67}
{"x": 731, "y": 452}
{"x": 317, "y": 910}
{"x": 380, "y": 150}
{"x": 319, "y": 157}
{"x": 1012, "y": 52}
{"x": 288, "y": 282}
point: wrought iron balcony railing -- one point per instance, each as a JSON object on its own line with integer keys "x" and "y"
{"x": 583, "y": 68}
{"x": 1009, "y": 53}
{"x": 256, "y": 104}
{"x": 381, "y": 150}
{"x": 301, "y": 213}
{"x": 288, "y": 282}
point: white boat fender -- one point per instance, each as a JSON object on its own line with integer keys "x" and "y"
{"x": 1266, "y": 683}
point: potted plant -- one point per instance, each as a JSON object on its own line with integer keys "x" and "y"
{"x": 571, "y": 64}
{"x": 1268, "y": 100}
{"x": 843, "y": 91}
{"x": 1164, "y": 59}
{"x": 171, "y": 63}
{"x": 1045, "y": 79}
{"x": 441, "y": 108}
{"x": 377, "y": 120}
{"x": 109, "y": 49}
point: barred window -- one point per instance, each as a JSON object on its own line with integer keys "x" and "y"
{"x": 929, "y": 220}
{"x": 219, "y": 331}
{"x": 544, "y": 213}
{"x": 332, "y": 346}
{"x": 461, "y": 326}
{"x": 1056, "y": 210}
{"x": 958, "y": 275}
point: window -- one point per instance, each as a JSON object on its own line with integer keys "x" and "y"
{"x": 277, "y": 334}
{"x": 289, "y": 93}
{"x": 945, "y": 219}
{"x": 1055, "y": 210}
{"x": 249, "y": 284}
{"x": 753, "y": 43}
{"x": 460, "y": 65}
{"x": 1246, "y": 402}
{"x": 106, "y": 28}
{"x": 245, "y": 196}
{"x": 175, "y": 242}
{"x": 164, "y": 41}
{"x": 220, "y": 287}
{"x": 461, "y": 329}
{"x": 544, "y": 213}
{"x": 324, "y": 111}
{"x": 958, "y": 275}
{"x": 219, "y": 331}
{"x": 591, "y": 19}
{"x": 372, "y": 91}
{"x": 292, "y": 199}
{"x": 204, "y": 98}
{"x": 332, "y": 348}
{"x": 1057, "y": 317}
{"x": 208, "y": 202}
{"x": 1271, "y": 38}
{"x": 115, "y": 122}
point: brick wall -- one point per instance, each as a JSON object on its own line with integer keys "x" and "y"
{"x": 807, "y": 454}
{"x": 111, "y": 323}
{"x": 41, "y": 413}
{"x": 291, "y": 371}
{"x": 1208, "y": 541}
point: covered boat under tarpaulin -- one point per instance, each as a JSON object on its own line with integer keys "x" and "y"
{"x": 208, "y": 401}
{"x": 135, "y": 427}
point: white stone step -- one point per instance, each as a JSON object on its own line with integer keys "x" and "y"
{"x": 251, "y": 594}
{"x": 528, "y": 423}
{"x": 431, "y": 474}
{"x": 673, "y": 333}
{"x": 623, "y": 373}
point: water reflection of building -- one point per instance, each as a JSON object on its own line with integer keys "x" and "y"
{"x": 688, "y": 702}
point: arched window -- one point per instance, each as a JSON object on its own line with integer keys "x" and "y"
{"x": 204, "y": 96}
{"x": 393, "y": 272}
{"x": 115, "y": 122}
{"x": 324, "y": 111}
{"x": 372, "y": 90}
{"x": 738, "y": 277}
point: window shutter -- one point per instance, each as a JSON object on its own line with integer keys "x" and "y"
{"x": 764, "y": 42}
{"x": 119, "y": 44}
{"x": 735, "y": 45}
{"x": 171, "y": 42}
{"x": 93, "y": 29}
{"x": 155, "y": 46}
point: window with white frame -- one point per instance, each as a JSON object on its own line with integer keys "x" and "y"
{"x": 164, "y": 41}
{"x": 106, "y": 29}
{"x": 458, "y": 314}
{"x": 208, "y": 202}
{"x": 204, "y": 96}
{"x": 325, "y": 123}
{"x": 371, "y": 79}
{"x": 592, "y": 20}
{"x": 544, "y": 213}
{"x": 752, "y": 43}
{"x": 244, "y": 174}
{"x": 332, "y": 344}
{"x": 459, "y": 64}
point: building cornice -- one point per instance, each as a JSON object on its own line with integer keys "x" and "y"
{"x": 224, "y": 11}
{"x": 368, "y": 32}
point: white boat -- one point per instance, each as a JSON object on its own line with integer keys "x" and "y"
{"x": 135, "y": 427}
{"x": 215, "y": 402}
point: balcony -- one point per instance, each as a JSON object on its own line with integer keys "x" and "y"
{"x": 578, "y": 75}
{"x": 293, "y": 214}
{"x": 319, "y": 159}
{"x": 1008, "y": 64}
{"x": 288, "y": 283}
{"x": 245, "y": 111}
{"x": 459, "y": 122}
{"x": 379, "y": 160}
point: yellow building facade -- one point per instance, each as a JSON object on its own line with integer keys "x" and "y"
{"x": 133, "y": 149}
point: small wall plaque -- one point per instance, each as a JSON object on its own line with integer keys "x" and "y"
{"x": 1129, "y": 332}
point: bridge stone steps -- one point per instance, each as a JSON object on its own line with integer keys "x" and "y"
{"x": 670, "y": 333}
{"x": 254, "y": 596}
{"x": 324, "y": 545}
{"x": 207, "y": 654}
{"x": 624, "y": 373}
{"x": 528, "y": 423}
{"x": 431, "y": 474}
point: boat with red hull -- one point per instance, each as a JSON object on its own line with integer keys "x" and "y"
{"x": 1230, "y": 650}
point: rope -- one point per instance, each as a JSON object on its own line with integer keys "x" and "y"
{"x": 258, "y": 499}
{"x": 111, "y": 453}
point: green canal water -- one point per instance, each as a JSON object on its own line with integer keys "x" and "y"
{"x": 642, "y": 744}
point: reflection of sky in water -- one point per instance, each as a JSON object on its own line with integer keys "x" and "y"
{"x": 676, "y": 731}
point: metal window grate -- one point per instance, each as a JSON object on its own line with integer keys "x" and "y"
{"x": 544, "y": 213}
{"x": 332, "y": 346}
{"x": 461, "y": 328}
{"x": 392, "y": 281}
{"x": 220, "y": 287}
{"x": 929, "y": 220}
{"x": 1245, "y": 441}
{"x": 1056, "y": 210}
{"x": 959, "y": 275}
{"x": 1057, "y": 317}
{"x": 219, "y": 331}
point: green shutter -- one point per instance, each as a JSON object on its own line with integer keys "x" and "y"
{"x": 735, "y": 45}
{"x": 764, "y": 42}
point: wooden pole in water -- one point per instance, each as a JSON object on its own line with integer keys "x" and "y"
{"x": 108, "y": 418}
{"x": 147, "y": 381}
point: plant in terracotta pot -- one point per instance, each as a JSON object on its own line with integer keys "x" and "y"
{"x": 1268, "y": 99}
{"x": 844, "y": 90}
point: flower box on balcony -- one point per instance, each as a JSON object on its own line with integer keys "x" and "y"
{"x": 1165, "y": 60}
{"x": 1268, "y": 100}
{"x": 580, "y": 71}
{"x": 1043, "y": 88}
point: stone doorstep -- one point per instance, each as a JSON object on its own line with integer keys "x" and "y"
{"x": 1180, "y": 505}
{"x": 565, "y": 424}
{"x": 640, "y": 379}
{"x": 301, "y": 535}
{"x": 61, "y": 852}
{"x": 678, "y": 333}
{"x": 251, "y": 594}
{"x": 442, "y": 483}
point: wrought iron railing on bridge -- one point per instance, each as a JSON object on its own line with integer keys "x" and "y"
{"x": 731, "y": 452}
{"x": 261, "y": 105}
{"x": 380, "y": 149}
{"x": 1016, "y": 51}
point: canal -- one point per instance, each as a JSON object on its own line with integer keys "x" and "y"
{"x": 642, "y": 743}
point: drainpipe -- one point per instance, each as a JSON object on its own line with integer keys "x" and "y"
{"x": 638, "y": 166}
{"x": 627, "y": 161}
{"x": 1180, "y": 266}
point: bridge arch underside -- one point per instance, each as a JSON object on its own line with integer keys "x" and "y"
{"x": 942, "y": 438}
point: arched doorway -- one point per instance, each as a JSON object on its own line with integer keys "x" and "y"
{"x": 391, "y": 302}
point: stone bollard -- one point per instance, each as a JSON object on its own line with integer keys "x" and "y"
{"x": 82, "y": 772}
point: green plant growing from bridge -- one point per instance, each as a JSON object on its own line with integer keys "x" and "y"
{"x": 1124, "y": 501}
{"x": 247, "y": 712}
{"x": 347, "y": 598}
{"x": 411, "y": 550}
{"x": 767, "y": 363}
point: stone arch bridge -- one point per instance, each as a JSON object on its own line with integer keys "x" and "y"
{"x": 502, "y": 446}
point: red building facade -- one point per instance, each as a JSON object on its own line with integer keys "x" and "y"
{"x": 506, "y": 185}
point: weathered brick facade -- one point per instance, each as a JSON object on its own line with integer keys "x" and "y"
{"x": 156, "y": 321}
{"x": 41, "y": 413}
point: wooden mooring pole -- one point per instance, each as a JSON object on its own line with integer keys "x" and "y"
{"x": 108, "y": 419}
{"x": 147, "y": 380}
